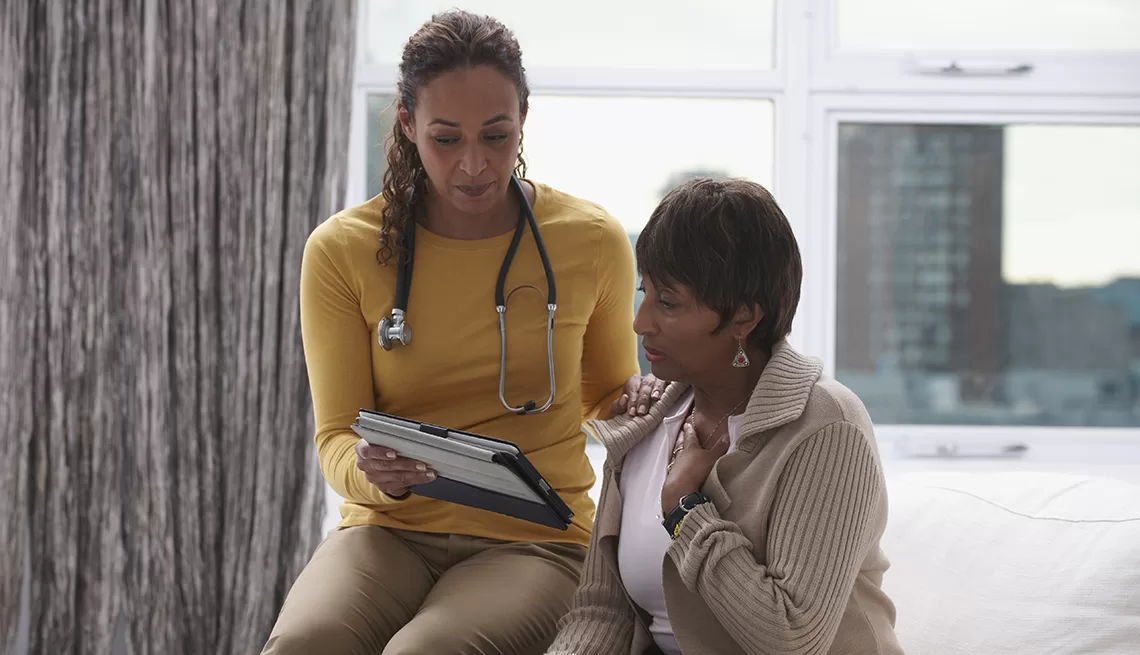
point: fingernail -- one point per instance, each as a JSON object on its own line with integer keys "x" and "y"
{"x": 429, "y": 475}
{"x": 389, "y": 455}
{"x": 643, "y": 409}
{"x": 421, "y": 467}
{"x": 655, "y": 395}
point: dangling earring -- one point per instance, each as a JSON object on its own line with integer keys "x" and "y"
{"x": 741, "y": 360}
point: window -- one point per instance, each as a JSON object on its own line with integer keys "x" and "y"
{"x": 631, "y": 34}
{"x": 624, "y": 154}
{"x": 1048, "y": 332}
{"x": 381, "y": 120}
{"x": 564, "y": 136}
{"x": 1002, "y": 25}
{"x": 586, "y": 146}
{"x": 1057, "y": 47}
{"x": 961, "y": 176}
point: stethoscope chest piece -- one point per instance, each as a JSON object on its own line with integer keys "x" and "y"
{"x": 393, "y": 330}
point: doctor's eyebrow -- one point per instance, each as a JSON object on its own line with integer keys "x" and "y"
{"x": 490, "y": 121}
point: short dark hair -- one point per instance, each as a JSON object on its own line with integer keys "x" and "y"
{"x": 730, "y": 243}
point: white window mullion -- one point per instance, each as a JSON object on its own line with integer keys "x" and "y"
{"x": 797, "y": 28}
{"x": 1053, "y": 107}
{"x": 652, "y": 83}
{"x": 913, "y": 73}
{"x": 358, "y": 145}
{"x": 819, "y": 248}
{"x": 618, "y": 82}
{"x": 376, "y": 76}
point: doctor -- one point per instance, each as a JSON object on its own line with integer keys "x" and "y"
{"x": 467, "y": 296}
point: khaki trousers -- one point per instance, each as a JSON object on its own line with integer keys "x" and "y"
{"x": 370, "y": 591}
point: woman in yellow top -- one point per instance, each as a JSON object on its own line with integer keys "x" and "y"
{"x": 406, "y": 573}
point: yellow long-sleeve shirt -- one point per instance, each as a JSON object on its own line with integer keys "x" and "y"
{"x": 449, "y": 374}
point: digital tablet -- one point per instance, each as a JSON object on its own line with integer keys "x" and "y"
{"x": 471, "y": 469}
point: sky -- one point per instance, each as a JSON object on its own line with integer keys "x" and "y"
{"x": 1071, "y": 193}
{"x": 1071, "y": 203}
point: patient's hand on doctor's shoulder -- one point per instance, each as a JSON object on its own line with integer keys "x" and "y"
{"x": 638, "y": 395}
{"x": 387, "y": 471}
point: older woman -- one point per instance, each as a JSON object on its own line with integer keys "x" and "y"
{"x": 742, "y": 512}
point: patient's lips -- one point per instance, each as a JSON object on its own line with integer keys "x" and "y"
{"x": 653, "y": 355}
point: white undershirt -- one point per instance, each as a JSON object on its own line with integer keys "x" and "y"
{"x": 643, "y": 541}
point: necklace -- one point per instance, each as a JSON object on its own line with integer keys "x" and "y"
{"x": 690, "y": 419}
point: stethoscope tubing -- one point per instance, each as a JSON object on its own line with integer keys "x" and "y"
{"x": 395, "y": 330}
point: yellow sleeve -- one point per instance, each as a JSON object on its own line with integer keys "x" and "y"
{"x": 337, "y": 355}
{"x": 609, "y": 354}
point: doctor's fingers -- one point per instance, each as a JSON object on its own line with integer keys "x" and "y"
{"x": 398, "y": 464}
{"x": 392, "y": 481}
{"x": 647, "y": 393}
{"x": 365, "y": 450}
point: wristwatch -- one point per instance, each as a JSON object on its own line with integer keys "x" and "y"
{"x": 687, "y": 504}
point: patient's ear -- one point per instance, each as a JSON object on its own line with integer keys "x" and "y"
{"x": 745, "y": 320}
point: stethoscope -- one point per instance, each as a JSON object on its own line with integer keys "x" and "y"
{"x": 394, "y": 330}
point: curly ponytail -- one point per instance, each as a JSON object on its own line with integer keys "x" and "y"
{"x": 451, "y": 40}
{"x": 403, "y": 181}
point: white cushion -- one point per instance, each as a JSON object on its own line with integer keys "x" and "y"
{"x": 1014, "y": 562}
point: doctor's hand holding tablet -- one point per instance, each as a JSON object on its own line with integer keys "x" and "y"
{"x": 389, "y": 472}
{"x": 393, "y": 475}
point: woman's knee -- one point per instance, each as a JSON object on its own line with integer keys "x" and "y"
{"x": 412, "y": 641}
{"x": 473, "y": 610}
{"x": 318, "y": 636}
{"x": 361, "y": 586}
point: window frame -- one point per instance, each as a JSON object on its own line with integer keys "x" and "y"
{"x": 814, "y": 85}
{"x": 817, "y": 317}
{"x": 1073, "y": 72}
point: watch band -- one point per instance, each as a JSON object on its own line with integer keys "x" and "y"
{"x": 688, "y": 502}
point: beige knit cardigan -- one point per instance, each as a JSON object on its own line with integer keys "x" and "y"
{"x": 785, "y": 559}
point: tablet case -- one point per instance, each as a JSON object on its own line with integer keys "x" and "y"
{"x": 471, "y": 488}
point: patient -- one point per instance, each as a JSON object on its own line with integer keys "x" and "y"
{"x": 742, "y": 513}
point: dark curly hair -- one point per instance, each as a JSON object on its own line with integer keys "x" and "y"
{"x": 449, "y": 41}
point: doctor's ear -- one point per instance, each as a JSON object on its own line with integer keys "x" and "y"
{"x": 406, "y": 123}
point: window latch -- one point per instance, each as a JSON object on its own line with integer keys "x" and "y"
{"x": 962, "y": 450}
{"x": 953, "y": 67}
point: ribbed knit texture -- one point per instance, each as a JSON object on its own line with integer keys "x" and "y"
{"x": 817, "y": 497}
{"x": 823, "y": 509}
{"x": 600, "y": 619}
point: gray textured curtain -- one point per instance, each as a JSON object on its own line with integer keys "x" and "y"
{"x": 161, "y": 164}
